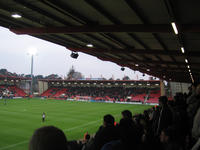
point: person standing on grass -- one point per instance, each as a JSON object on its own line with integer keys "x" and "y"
{"x": 43, "y": 117}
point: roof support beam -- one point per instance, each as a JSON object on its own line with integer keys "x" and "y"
{"x": 156, "y": 28}
{"x": 137, "y": 51}
{"x": 96, "y": 28}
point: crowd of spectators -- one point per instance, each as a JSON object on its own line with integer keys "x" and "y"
{"x": 114, "y": 93}
{"x": 5, "y": 92}
{"x": 172, "y": 125}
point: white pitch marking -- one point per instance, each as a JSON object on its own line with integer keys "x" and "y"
{"x": 20, "y": 143}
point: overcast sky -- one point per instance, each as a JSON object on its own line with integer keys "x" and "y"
{"x": 53, "y": 59}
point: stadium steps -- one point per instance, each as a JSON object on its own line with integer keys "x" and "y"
{"x": 60, "y": 92}
{"x": 17, "y": 91}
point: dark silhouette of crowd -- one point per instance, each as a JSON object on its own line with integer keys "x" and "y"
{"x": 172, "y": 125}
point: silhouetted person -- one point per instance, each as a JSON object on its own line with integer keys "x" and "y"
{"x": 48, "y": 138}
{"x": 106, "y": 133}
{"x": 165, "y": 116}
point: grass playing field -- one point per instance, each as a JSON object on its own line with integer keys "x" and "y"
{"x": 19, "y": 118}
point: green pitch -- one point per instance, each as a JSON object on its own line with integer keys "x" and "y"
{"x": 19, "y": 118}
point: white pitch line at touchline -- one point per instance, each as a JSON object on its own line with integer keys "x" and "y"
{"x": 23, "y": 142}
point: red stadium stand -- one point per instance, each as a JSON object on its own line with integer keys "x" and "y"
{"x": 17, "y": 91}
{"x": 60, "y": 92}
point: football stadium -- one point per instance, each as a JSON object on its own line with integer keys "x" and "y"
{"x": 158, "y": 39}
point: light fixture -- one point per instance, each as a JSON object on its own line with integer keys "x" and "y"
{"x": 90, "y": 45}
{"x": 16, "y": 15}
{"x": 136, "y": 65}
{"x": 188, "y": 66}
{"x": 122, "y": 68}
{"x": 189, "y": 70}
{"x": 182, "y": 50}
{"x": 192, "y": 78}
{"x": 148, "y": 69}
{"x": 174, "y": 27}
{"x": 186, "y": 60}
{"x": 143, "y": 74}
{"x": 74, "y": 55}
{"x": 32, "y": 51}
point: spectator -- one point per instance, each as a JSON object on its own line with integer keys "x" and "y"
{"x": 126, "y": 114}
{"x": 48, "y": 138}
{"x": 106, "y": 133}
{"x": 165, "y": 116}
{"x": 193, "y": 103}
{"x": 168, "y": 139}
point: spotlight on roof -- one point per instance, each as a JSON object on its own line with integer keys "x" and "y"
{"x": 16, "y": 15}
{"x": 182, "y": 50}
{"x": 186, "y": 60}
{"x": 143, "y": 74}
{"x": 122, "y": 68}
{"x": 174, "y": 27}
{"x": 90, "y": 45}
{"x": 74, "y": 55}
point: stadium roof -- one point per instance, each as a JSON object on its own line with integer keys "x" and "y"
{"x": 132, "y": 33}
{"x": 132, "y": 83}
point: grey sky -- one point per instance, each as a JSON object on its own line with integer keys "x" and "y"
{"x": 52, "y": 58}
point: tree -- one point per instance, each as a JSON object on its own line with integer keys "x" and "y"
{"x": 3, "y": 71}
{"x": 28, "y": 76}
{"x": 39, "y": 77}
{"x": 53, "y": 76}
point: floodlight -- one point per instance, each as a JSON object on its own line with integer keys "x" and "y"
{"x": 182, "y": 50}
{"x": 89, "y": 45}
{"x": 32, "y": 51}
{"x": 122, "y": 68}
{"x": 16, "y": 15}
{"x": 174, "y": 27}
{"x": 186, "y": 60}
